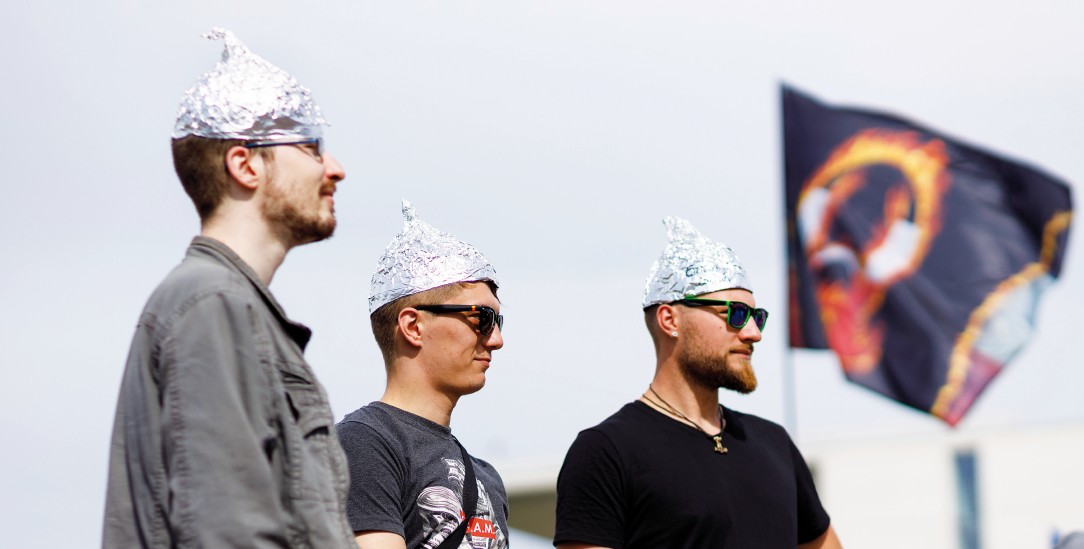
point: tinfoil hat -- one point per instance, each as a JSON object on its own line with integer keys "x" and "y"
{"x": 246, "y": 97}
{"x": 421, "y": 258}
{"x": 691, "y": 265}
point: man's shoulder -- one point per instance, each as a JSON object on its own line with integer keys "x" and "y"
{"x": 483, "y": 465}
{"x": 367, "y": 419}
{"x": 374, "y": 424}
{"x": 629, "y": 416}
{"x": 366, "y": 415}
{"x": 751, "y": 422}
{"x": 753, "y": 427}
{"x": 489, "y": 475}
{"x": 627, "y": 422}
{"x": 203, "y": 272}
{"x": 196, "y": 278}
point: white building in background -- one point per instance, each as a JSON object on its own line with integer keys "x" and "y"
{"x": 987, "y": 489}
{"x": 1017, "y": 489}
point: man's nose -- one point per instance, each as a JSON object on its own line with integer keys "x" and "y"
{"x": 332, "y": 169}
{"x": 495, "y": 339}
{"x": 750, "y": 332}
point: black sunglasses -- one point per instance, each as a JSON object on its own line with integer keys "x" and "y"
{"x": 487, "y": 317}
{"x": 737, "y": 313}
{"x": 317, "y": 151}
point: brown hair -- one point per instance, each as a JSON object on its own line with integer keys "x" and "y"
{"x": 385, "y": 320}
{"x": 200, "y": 163}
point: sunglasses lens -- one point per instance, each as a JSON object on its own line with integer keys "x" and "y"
{"x": 760, "y": 316}
{"x": 737, "y": 314}
{"x": 485, "y": 320}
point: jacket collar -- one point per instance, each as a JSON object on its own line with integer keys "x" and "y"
{"x": 297, "y": 331}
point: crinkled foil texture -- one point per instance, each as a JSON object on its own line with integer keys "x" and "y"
{"x": 692, "y": 264}
{"x": 246, "y": 97}
{"x": 422, "y": 258}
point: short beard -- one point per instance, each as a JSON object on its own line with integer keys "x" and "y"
{"x": 280, "y": 210}
{"x": 709, "y": 368}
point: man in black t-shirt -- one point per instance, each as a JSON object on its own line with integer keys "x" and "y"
{"x": 436, "y": 318}
{"x": 675, "y": 468}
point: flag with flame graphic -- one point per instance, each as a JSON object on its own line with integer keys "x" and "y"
{"x": 918, "y": 259}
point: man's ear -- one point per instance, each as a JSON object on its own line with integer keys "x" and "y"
{"x": 666, "y": 318}
{"x": 244, "y": 166}
{"x": 410, "y": 326}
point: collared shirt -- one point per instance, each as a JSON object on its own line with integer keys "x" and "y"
{"x": 223, "y": 437}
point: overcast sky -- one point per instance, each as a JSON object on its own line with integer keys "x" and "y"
{"x": 552, "y": 135}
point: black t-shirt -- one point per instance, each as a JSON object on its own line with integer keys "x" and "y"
{"x": 407, "y": 476}
{"x": 640, "y": 479}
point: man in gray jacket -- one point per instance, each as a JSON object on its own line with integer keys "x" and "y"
{"x": 223, "y": 437}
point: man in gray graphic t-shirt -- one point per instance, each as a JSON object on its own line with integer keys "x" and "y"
{"x": 436, "y": 318}
{"x": 407, "y": 476}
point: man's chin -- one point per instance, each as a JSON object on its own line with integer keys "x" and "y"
{"x": 475, "y": 386}
{"x": 741, "y": 380}
{"x": 742, "y": 387}
{"x": 315, "y": 233}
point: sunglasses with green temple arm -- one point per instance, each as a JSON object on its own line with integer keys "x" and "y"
{"x": 737, "y": 313}
{"x": 487, "y": 317}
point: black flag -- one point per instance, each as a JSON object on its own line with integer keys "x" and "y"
{"x": 918, "y": 259}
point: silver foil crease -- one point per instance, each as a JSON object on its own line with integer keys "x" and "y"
{"x": 246, "y": 97}
{"x": 421, "y": 258}
{"x": 690, "y": 265}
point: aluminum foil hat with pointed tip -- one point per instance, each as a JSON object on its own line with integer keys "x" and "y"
{"x": 245, "y": 97}
{"x": 690, "y": 265}
{"x": 421, "y": 258}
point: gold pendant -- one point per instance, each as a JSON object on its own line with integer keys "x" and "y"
{"x": 719, "y": 448}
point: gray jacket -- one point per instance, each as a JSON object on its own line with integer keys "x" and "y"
{"x": 223, "y": 437}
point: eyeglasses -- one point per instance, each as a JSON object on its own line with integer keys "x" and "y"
{"x": 737, "y": 313}
{"x": 487, "y": 317}
{"x": 317, "y": 151}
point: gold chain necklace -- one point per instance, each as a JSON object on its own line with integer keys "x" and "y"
{"x": 665, "y": 406}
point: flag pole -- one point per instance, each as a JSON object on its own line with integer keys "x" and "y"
{"x": 790, "y": 413}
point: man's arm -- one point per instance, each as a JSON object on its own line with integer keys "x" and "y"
{"x": 374, "y": 506}
{"x": 590, "y": 495}
{"x": 217, "y": 429}
{"x": 379, "y": 540}
{"x": 827, "y": 540}
{"x": 579, "y": 546}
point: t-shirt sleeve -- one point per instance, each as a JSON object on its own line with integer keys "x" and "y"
{"x": 377, "y": 476}
{"x": 590, "y": 493}
{"x": 813, "y": 520}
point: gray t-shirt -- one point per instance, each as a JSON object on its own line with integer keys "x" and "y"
{"x": 406, "y": 477}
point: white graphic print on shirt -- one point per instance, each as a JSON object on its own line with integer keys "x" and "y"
{"x": 442, "y": 511}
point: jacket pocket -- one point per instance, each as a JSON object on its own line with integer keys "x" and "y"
{"x": 307, "y": 403}
{"x": 314, "y": 472}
